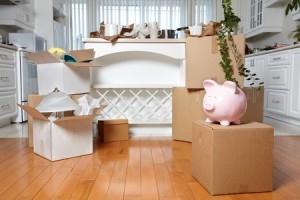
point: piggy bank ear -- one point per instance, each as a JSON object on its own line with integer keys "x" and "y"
{"x": 231, "y": 86}
{"x": 207, "y": 84}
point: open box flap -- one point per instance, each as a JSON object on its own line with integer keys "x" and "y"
{"x": 80, "y": 117}
{"x": 41, "y": 57}
{"x": 34, "y": 113}
{"x": 81, "y": 64}
{"x": 83, "y": 55}
{"x": 96, "y": 111}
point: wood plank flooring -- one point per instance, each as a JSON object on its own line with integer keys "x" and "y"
{"x": 142, "y": 168}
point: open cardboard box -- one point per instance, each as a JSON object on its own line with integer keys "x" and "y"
{"x": 68, "y": 77}
{"x": 65, "y": 137}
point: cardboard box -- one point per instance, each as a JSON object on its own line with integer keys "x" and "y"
{"x": 255, "y": 105}
{"x": 233, "y": 159}
{"x": 187, "y": 107}
{"x": 203, "y": 58}
{"x": 68, "y": 77}
{"x": 62, "y": 138}
{"x": 113, "y": 130}
{"x": 33, "y": 101}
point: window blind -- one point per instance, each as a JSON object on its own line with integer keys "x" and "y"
{"x": 86, "y": 15}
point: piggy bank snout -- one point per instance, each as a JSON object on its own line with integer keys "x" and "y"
{"x": 209, "y": 106}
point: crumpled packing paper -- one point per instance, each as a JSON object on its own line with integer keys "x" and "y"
{"x": 86, "y": 106}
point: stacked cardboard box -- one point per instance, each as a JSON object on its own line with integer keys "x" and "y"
{"x": 233, "y": 159}
{"x": 187, "y": 107}
{"x": 203, "y": 58}
{"x": 202, "y": 62}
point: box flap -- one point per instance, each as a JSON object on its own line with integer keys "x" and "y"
{"x": 34, "y": 113}
{"x": 41, "y": 57}
{"x": 96, "y": 111}
{"x": 250, "y": 125}
{"x": 68, "y": 118}
{"x": 81, "y": 64}
{"x": 83, "y": 55}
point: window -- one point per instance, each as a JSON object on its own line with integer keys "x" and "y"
{"x": 86, "y": 15}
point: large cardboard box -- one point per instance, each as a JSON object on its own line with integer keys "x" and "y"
{"x": 203, "y": 58}
{"x": 68, "y": 77}
{"x": 187, "y": 107}
{"x": 113, "y": 130}
{"x": 233, "y": 159}
{"x": 65, "y": 137}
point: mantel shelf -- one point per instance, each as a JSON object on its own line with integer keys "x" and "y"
{"x": 101, "y": 86}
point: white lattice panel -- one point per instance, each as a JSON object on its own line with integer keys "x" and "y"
{"x": 138, "y": 105}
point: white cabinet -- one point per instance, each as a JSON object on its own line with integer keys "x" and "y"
{"x": 52, "y": 13}
{"x": 256, "y": 66}
{"x": 260, "y": 19}
{"x": 274, "y": 3}
{"x": 282, "y": 86}
{"x": 8, "y": 95}
{"x": 277, "y": 83}
{"x": 294, "y": 103}
{"x": 21, "y": 16}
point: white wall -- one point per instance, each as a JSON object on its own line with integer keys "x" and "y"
{"x": 220, "y": 13}
{"x": 44, "y": 20}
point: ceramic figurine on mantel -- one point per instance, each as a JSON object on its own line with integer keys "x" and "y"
{"x": 225, "y": 103}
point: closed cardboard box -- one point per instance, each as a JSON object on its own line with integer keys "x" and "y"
{"x": 187, "y": 107}
{"x": 203, "y": 58}
{"x": 233, "y": 159}
{"x": 113, "y": 130}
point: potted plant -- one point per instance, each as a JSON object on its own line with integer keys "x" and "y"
{"x": 293, "y": 5}
{"x": 225, "y": 39}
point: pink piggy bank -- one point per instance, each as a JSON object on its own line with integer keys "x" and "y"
{"x": 224, "y": 103}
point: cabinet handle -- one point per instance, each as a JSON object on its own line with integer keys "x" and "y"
{"x": 4, "y": 78}
{"x": 26, "y": 18}
{"x": 4, "y": 106}
{"x": 252, "y": 63}
{"x": 275, "y": 101}
{"x": 278, "y": 58}
{"x": 276, "y": 77}
{"x": 3, "y": 56}
{"x": 6, "y": 57}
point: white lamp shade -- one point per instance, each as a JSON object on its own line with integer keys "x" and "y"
{"x": 56, "y": 102}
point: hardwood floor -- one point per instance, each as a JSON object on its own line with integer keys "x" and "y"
{"x": 140, "y": 168}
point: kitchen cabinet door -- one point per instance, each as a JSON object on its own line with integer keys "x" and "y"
{"x": 260, "y": 19}
{"x": 256, "y": 66}
{"x": 294, "y": 105}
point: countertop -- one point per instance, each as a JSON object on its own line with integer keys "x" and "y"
{"x": 133, "y": 40}
{"x": 8, "y": 46}
{"x": 273, "y": 50}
